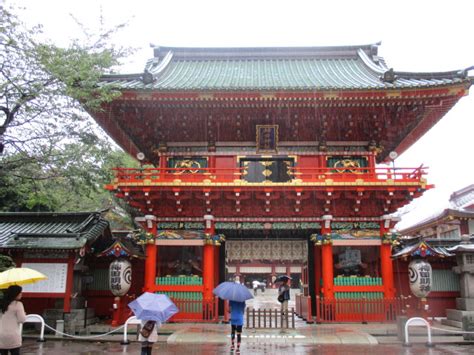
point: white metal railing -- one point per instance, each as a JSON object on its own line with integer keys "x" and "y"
{"x": 35, "y": 318}
{"x": 131, "y": 320}
{"x": 418, "y": 321}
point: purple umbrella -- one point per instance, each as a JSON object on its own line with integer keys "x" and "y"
{"x": 232, "y": 291}
{"x": 151, "y": 306}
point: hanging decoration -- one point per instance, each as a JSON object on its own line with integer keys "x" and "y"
{"x": 421, "y": 277}
{"x": 120, "y": 277}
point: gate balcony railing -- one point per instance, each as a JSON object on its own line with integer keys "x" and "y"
{"x": 157, "y": 176}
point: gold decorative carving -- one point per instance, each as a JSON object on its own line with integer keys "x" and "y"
{"x": 192, "y": 166}
{"x": 347, "y": 166}
{"x": 267, "y": 172}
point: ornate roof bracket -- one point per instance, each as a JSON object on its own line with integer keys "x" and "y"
{"x": 389, "y": 76}
{"x": 155, "y": 67}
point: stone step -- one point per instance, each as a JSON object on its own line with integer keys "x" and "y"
{"x": 452, "y": 323}
{"x": 454, "y": 314}
{"x": 75, "y": 314}
{"x": 466, "y": 304}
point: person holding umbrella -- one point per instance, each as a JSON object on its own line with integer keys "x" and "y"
{"x": 236, "y": 294}
{"x": 148, "y": 336}
{"x": 152, "y": 309}
{"x": 237, "y": 310}
{"x": 284, "y": 294}
{"x": 12, "y": 315}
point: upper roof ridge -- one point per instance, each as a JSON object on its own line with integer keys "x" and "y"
{"x": 191, "y": 53}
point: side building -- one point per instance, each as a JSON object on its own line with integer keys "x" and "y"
{"x": 438, "y": 233}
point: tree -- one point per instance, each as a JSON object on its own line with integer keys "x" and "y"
{"x": 64, "y": 185}
{"x": 45, "y": 90}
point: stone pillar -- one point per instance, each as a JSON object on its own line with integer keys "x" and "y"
{"x": 327, "y": 258}
{"x": 464, "y": 311}
{"x": 151, "y": 251}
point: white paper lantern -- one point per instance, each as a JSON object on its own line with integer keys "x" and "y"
{"x": 120, "y": 277}
{"x": 421, "y": 276}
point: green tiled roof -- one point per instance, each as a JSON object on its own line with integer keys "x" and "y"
{"x": 50, "y": 230}
{"x": 298, "y": 69}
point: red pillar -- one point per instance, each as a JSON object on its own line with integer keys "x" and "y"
{"x": 327, "y": 260}
{"x": 209, "y": 260}
{"x": 216, "y": 267}
{"x": 151, "y": 254}
{"x": 317, "y": 269}
{"x": 386, "y": 263}
{"x": 69, "y": 284}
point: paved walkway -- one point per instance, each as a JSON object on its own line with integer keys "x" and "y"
{"x": 218, "y": 333}
{"x": 303, "y": 334}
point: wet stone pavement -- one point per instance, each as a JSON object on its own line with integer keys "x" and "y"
{"x": 88, "y": 348}
{"x": 199, "y": 338}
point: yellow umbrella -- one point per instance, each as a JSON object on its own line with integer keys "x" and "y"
{"x": 20, "y": 276}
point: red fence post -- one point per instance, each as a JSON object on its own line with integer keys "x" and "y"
{"x": 364, "y": 310}
{"x": 309, "y": 318}
{"x": 216, "y": 309}
{"x": 226, "y": 312}
{"x": 318, "y": 307}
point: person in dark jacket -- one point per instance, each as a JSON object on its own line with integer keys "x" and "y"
{"x": 284, "y": 297}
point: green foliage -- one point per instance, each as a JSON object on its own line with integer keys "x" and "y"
{"x": 53, "y": 157}
{"x": 70, "y": 182}
{"x": 45, "y": 89}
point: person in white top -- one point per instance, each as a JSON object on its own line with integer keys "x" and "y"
{"x": 12, "y": 315}
{"x": 255, "y": 285}
{"x": 147, "y": 342}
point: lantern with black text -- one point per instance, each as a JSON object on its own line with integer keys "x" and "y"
{"x": 421, "y": 275}
{"x": 120, "y": 277}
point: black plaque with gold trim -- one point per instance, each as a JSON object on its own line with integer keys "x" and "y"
{"x": 267, "y": 138}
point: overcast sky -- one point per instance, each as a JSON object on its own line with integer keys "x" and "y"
{"x": 416, "y": 36}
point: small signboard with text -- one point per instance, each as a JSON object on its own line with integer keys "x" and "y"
{"x": 56, "y": 281}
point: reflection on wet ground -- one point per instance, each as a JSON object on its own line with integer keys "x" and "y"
{"x": 89, "y": 348}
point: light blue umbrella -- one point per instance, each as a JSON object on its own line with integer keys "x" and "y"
{"x": 151, "y": 306}
{"x": 232, "y": 291}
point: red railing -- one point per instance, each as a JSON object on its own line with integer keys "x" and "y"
{"x": 196, "y": 311}
{"x": 220, "y": 175}
{"x": 303, "y": 308}
{"x": 359, "y": 310}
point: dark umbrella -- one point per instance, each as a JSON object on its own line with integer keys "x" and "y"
{"x": 283, "y": 278}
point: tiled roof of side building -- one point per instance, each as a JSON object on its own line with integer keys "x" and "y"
{"x": 50, "y": 230}
{"x": 273, "y": 68}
